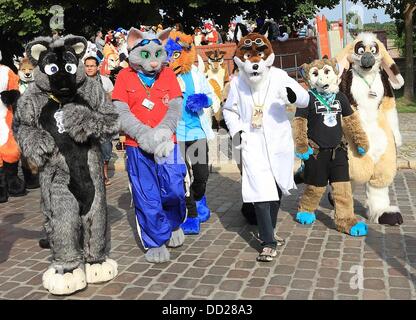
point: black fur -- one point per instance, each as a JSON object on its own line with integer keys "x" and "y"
{"x": 76, "y": 157}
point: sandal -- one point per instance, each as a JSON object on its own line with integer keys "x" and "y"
{"x": 267, "y": 255}
{"x": 280, "y": 241}
{"x": 107, "y": 182}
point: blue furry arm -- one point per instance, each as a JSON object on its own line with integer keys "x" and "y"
{"x": 196, "y": 102}
{"x": 36, "y": 144}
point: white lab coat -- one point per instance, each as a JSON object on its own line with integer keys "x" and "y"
{"x": 267, "y": 153}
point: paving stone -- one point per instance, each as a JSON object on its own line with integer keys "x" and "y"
{"x": 203, "y": 290}
{"x": 231, "y": 285}
{"x": 251, "y": 293}
{"x": 297, "y": 295}
{"x": 275, "y": 290}
{"x": 319, "y": 294}
{"x": 400, "y": 294}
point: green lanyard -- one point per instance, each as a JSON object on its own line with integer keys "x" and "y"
{"x": 321, "y": 100}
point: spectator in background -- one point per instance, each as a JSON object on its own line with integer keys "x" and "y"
{"x": 91, "y": 70}
{"x": 99, "y": 41}
{"x": 302, "y": 30}
{"x": 283, "y": 32}
{"x": 178, "y": 27}
{"x": 198, "y": 36}
{"x": 310, "y": 32}
{"x": 109, "y": 36}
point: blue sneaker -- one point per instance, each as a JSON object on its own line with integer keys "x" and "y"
{"x": 359, "y": 230}
{"x": 203, "y": 211}
{"x": 305, "y": 217}
{"x": 191, "y": 226}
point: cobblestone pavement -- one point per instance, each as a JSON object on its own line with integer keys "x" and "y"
{"x": 219, "y": 263}
{"x": 408, "y": 130}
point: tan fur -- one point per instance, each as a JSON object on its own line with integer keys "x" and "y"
{"x": 388, "y": 103}
{"x": 344, "y": 206}
{"x": 320, "y": 64}
{"x": 311, "y": 198}
{"x": 300, "y": 134}
{"x": 352, "y": 127}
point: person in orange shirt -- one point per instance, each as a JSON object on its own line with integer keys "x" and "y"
{"x": 10, "y": 183}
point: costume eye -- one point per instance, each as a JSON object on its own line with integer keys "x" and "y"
{"x": 158, "y": 53}
{"x": 247, "y": 56}
{"x": 360, "y": 50}
{"x": 71, "y": 68}
{"x": 176, "y": 55}
{"x": 51, "y": 69}
{"x": 374, "y": 50}
{"x": 145, "y": 54}
{"x": 315, "y": 73}
{"x": 261, "y": 54}
{"x": 327, "y": 71}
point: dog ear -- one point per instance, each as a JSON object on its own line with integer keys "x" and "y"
{"x": 303, "y": 71}
{"x": 135, "y": 35}
{"x": 35, "y": 48}
{"x": 390, "y": 67}
{"x": 344, "y": 58}
{"x": 79, "y": 44}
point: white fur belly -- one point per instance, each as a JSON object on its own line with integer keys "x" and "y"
{"x": 4, "y": 128}
{"x": 368, "y": 111}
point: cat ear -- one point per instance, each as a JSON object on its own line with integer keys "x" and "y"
{"x": 134, "y": 36}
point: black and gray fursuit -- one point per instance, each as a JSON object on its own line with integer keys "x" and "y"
{"x": 59, "y": 122}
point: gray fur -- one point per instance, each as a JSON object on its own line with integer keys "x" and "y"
{"x": 96, "y": 118}
{"x": 98, "y": 121}
{"x": 157, "y": 255}
{"x": 136, "y": 61}
{"x": 177, "y": 239}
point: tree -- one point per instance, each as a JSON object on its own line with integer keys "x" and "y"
{"x": 403, "y": 11}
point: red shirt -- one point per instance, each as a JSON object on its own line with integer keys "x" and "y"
{"x": 129, "y": 89}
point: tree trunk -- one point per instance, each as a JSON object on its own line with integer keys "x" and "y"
{"x": 409, "y": 92}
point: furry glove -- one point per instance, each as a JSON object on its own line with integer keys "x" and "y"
{"x": 353, "y": 129}
{"x": 197, "y": 102}
{"x": 37, "y": 145}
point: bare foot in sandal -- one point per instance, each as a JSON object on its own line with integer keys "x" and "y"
{"x": 267, "y": 255}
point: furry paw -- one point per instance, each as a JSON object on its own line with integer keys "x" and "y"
{"x": 359, "y": 229}
{"x": 177, "y": 239}
{"x": 164, "y": 149}
{"x": 157, "y": 255}
{"x": 196, "y": 102}
{"x": 291, "y": 95}
{"x": 305, "y": 217}
{"x": 39, "y": 147}
{"x": 161, "y": 135}
{"x": 305, "y": 156}
{"x": 64, "y": 284}
{"x": 191, "y": 226}
{"x": 203, "y": 211}
{"x": 101, "y": 272}
{"x": 391, "y": 218}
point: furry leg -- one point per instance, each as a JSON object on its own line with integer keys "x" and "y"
{"x": 98, "y": 267}
{"x": 66, "y": 273}
{"x": 309, "y": 203}
{"x": 344, "y": 206}
{"x": 379, "y": 208}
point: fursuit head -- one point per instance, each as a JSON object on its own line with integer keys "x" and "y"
{"x": 368, "y": 79}
{"x": 60, "y": 121}
{"x": 254, "y": 57}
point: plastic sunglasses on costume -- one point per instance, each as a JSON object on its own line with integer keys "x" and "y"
{"x": 145, "y": 42}
{"x": 258, "y": 42}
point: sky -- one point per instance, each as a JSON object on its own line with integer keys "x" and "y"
{"x": 336, "y": 13}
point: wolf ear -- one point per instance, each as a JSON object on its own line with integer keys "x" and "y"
{"x": 164, "y": 34}
{"x": 35, "y": 48}
{"x": 134, "y": 36}
{"x": 79, "y": 44}
{"x": 390, "y": 67}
